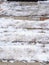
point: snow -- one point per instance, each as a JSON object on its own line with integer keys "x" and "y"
{"x": 24, "y": 40}
{"x": 27, "y": 53}
{"x": 10, "y": 30}
{"x": 24, "y": 24}
{"x": 19, "y": 9}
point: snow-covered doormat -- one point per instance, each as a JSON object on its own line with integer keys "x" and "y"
{"x": 24, "y": 40}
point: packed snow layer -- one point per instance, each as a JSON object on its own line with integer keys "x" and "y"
{"x": 23, "y": 30}
{"x": 17, "y": 9}
{"x": 26, "y": 53}
{"x": 24, "y": 40}
{"x": 12, "y": 24}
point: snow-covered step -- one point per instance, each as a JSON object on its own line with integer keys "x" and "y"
{"x": 13, "y": 23}
{"x": 12, "y": 30}
{"x": 27, "y": 53}
{"x": 17, "y": 9}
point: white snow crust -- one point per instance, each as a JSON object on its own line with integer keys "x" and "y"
{"x": 24, "y": 40}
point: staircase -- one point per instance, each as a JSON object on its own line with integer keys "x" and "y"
{"x": 24, "y": 33}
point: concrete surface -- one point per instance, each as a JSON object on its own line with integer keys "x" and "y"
{"x": 20, "y": 63}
